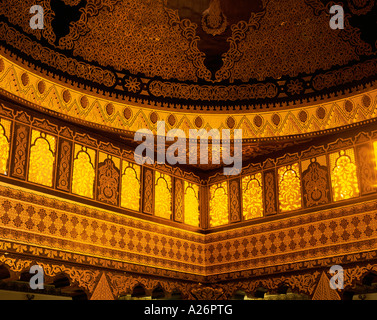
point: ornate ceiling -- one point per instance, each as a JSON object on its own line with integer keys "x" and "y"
{"x": 210, "y": 52}
{"x": 276, "y": 70}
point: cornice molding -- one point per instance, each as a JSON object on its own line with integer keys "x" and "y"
{"x": 53, "y": 97}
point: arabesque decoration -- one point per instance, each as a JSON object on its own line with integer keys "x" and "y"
{"x": 191, "y": 204}
{"x": 343, "y": 175}
{"x": 4, "y": 145}
{"x": 163, "y": 195}
{"x": 130, "y": 197}
{"x": 42, "y": 158}
{"x": 252, "y": 196}
{"x": 289, "y": 188}
{"x": 83, "y": 172}
{"x": 218, "y": 205}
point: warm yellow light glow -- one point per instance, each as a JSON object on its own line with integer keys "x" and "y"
{"x": 343, "y": 175}
{"x": 289, "y": 188}
{"x": 191, "y": 215}
{"x": 4, "y": 145}
{"x": 83, "y": 172}
{"x": 42, "y": 158}
{"x": 218, "y": 205}
{"x": 130, "y": 196}
{"x": 375, "y": 152}
{"x": 252, "y": 199}
{"x": 163, "y": 198}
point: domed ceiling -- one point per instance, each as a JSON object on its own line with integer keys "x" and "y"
{"x": 207, "y": 51}
{"x": 270, "y": 67}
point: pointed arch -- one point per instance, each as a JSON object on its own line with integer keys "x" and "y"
{"x": 83, "y": 172}
{"x": 42, "y": 158}
{"x": 289, "y": 187}
{"x": 252, "y": 197}
{"x": 218, "y": 204}
{"x": 4, "y": 145}
{"x": 191, "y": 204}
{"x": 163, "y": 195}
{"x": 344, "y": 175}
{"x": 130, "y": 193}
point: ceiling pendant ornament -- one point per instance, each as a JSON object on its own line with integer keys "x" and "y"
{"x": 360, "y": 7}
{"x": 214, "y": 21}
{"x": 72, "y": 2}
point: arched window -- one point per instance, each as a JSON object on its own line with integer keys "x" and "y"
{"x": 252, "y": 197}
{"x": 42, "y": 158}
{"x": 130, "y": 196}
{"x": 191, "y": 215}
{"x": 163, "y": 199}
{"x": 218, "y": 205}
{"x": 344, "y": 175}
{"x": 4, "y": 145}
{"x": 83, "y": 171}
{"x": 289, "y": 188}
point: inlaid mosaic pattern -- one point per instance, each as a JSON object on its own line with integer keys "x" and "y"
{"x": 321, "y": 234}
{"x": 35, "y": 219}
{"x": 44, "y": 222}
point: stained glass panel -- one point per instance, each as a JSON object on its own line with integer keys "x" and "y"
{"x": 42, "y": 158}
{"x": 4, "y": 145}
{"x": 344, "y": 175}
{"x": 191, "y": 215}
{"x": 130, "y": 196}
{"x": 289, "y": 188}
{"x": 163, "y": 198}
{"x": 218, "y": 205}
{"x": 83, "y": 171}
{"x": 252, "y": 196}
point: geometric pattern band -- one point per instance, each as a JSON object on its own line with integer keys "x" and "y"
{"x": 38, "y": 220}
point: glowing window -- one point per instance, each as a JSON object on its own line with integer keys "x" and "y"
{"x": 83, "y": 171}
{"x": 289, "y": 188}
{"x": 4, "y": 145}
{"x": 130, "y": 197}
{"x": 375, "y": 151}
{"x": 343, "y": 175}
{"x": 191, "y": 215}
{"x": 42, "y": 158}
{"x": 218, "y": 205}
{"x": 252, "y": 204}
{"x": 163, "y": 198}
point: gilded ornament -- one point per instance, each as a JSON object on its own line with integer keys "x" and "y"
{"x": 214, "y": 22}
